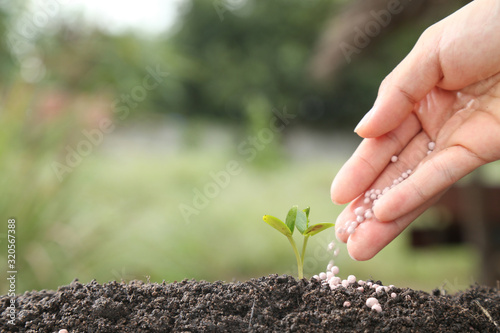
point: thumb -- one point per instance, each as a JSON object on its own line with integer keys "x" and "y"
{"x": 405, "y": 86}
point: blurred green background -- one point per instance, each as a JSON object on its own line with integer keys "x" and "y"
{"x": 100, "y": 157}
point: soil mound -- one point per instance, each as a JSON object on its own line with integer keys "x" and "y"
{"x": 267, "y": 304}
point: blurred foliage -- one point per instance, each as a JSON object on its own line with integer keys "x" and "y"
{"x": 32, "y": 195}
{"x": 7, "y": 66}
{"x": 258, "y": 51}
{"x": 222, "y": 61}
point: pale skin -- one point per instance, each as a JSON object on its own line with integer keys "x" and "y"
{"x": 446, "y": 90}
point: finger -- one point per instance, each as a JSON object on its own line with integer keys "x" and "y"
{"x": 435, "y": 174}
{"x": 406, "y": 85}
{"x": 408, "y": 160}
{"x": 371, "y": 237}
{"x": 370, "y": 159}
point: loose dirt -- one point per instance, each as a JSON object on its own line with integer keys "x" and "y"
{"x": 268, "y": 304}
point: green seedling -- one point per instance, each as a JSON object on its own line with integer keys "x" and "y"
{"x": 297, "y": 219}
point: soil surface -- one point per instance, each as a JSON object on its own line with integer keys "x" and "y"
{"x": 268, "y": 304}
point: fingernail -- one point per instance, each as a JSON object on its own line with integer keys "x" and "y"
{"x": 352, "y": 256}
{"x": 364, "y": 120}
{"x": 348, "y": 249}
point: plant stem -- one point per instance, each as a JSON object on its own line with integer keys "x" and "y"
{"x": 306, "y": 238}
{"x": 297, "y": 256}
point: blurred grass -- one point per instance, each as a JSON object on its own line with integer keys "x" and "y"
{"x": 136, "y": 208}
{"x": 116, "y": 216}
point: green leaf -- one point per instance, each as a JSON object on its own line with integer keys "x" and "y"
{"x": 307, "y": 210}
{"x": 301, "y": 221}
{"x": 277, "y": 224}
{"x": 290, "y": 218}
{"x": 317, "y": 228}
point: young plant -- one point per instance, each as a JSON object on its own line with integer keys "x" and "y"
{"x": 297, "y": 219}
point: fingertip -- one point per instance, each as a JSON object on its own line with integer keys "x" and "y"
{"x": 380, "y": 213}
{"x": 368, "y": 239}
{"x": 340, "y": 233}
{"x": 358, "y": 246}
{"x": 364, "y": 121}
{"x": 337, "y": 203}
{"x": 339, "y": 237}
{"x": 392, "y": 109}
{"x": 370, "y": 126}
{"x": 333, "y": 193}
{"x": 350, "y": 255}
{"x": 338, "y": 200}
{"x": 358, "y": 252}
{"x": 391, "y": 206}
{"x": 337, "y": 193}
{"x": 346, "y": 184}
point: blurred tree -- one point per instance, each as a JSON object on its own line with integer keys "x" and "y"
{"x": 258, "y": 49}
{"x": 7, "y": 64}
{"x": 226, "y": 56}
{"x": 230, "y": 53}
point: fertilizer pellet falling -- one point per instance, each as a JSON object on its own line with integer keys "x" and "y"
{"x": 369, "y": 288}
{"x": 363, "y": 214}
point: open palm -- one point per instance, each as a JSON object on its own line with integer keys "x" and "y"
{"x": 446, "y": 91}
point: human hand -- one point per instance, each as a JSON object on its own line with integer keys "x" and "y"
{"x": 447, "y": 90}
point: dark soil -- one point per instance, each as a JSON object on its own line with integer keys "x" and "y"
{"x": 268, "y": 304}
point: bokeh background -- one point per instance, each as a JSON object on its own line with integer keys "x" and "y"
{"x": 120, "y": 121}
